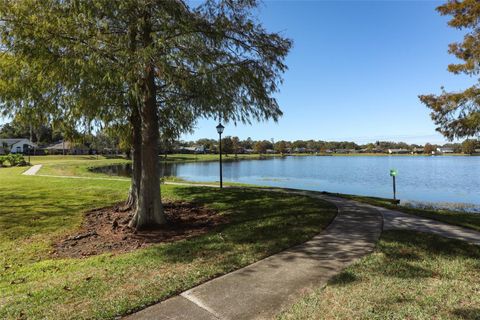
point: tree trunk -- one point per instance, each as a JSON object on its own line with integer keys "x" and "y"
{"x": 149, "y": 212}
{"x": 136, "y": 158}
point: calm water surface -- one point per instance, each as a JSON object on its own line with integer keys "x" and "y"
{"x": 425, "y": 179}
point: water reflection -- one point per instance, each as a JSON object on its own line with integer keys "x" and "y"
{"x": 125, "y": 170}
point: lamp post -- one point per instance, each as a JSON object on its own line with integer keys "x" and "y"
{"x": 220, "y": 131}
{"x": 393, "y": 174}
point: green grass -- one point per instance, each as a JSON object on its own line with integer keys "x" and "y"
{"x": 74, "y": 165}
{"x": 37, "y": 210}
{"x": 409, "y": 276}
{"x": 80, "y": 165}
{"x": 463, "y": 219}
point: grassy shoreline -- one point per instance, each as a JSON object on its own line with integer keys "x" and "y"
{"x": 81, "y": 165}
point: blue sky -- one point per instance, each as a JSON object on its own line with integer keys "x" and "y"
{"x": 355, "y": 71}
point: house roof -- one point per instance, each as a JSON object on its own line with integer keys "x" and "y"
{"x": 67, "y": 145}
{"x": 11, "y": 141}
{"x": 445, "y": 149}
{"x": 194, "y": 148}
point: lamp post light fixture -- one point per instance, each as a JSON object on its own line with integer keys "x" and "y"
{"x": 220, "y": 131}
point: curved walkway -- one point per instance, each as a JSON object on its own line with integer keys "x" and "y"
{"x": 260, "y": 290}
{"x": 395, "y": 220}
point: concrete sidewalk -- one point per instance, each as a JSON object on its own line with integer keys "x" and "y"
{"x": 32, "y": 170}
{"x": 395, "y": 220}
{"x": 261, "y": 290}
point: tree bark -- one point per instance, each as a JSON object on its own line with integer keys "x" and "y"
{"x": 149, "y": 212}
{"x": 136, "y": 156}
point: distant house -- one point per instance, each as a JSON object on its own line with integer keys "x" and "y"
{"x": 194, "y": 149}
{"x": 417, "y": 150}
{"x": 445, "y": 150}
{"x": 300, "y": 150}
{"x": 67, "y": 147}
{"x": 270, "y": 151}
{"x": 345, "y": 151}
{"x": 398, "y": 151}
{"x": 19, "y": 145}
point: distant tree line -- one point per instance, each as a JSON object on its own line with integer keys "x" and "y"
{"x": 233, "y": 145}
{"x": 112, "y": 139}
{"x": 43, "y": 134}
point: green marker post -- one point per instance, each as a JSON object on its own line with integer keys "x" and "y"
{"x": 393, "y": 174}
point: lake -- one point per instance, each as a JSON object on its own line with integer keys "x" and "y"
{"x": 453, "y": 179}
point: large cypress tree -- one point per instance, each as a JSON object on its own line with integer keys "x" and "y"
{"x": 148, "y": 64}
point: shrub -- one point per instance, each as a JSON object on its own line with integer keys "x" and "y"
{"x": 3, "y": 159}
{"x": 16, "y": 159}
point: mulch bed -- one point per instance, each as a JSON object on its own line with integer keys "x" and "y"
{"x": 106, "y": 230}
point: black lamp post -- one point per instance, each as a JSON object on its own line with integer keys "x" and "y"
{"x": 220, "y": 131}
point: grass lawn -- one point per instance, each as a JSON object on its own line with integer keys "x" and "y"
{"x": 74, "y": 165}
{"x": 467, "y": 220}
{"x": 80, "y": 165}
{"x": 36, "y": 210}
{"x": 409, "y": 276}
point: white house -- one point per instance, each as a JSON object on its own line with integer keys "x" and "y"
{"x": 15, "y": 145}
{"x": 398, "y": 151}
{"x": 194, "y": 149}
{"x": 445, "y": 150}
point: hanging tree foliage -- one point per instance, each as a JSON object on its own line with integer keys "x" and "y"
{"x": 457, "y": 114}
{"x": 153, "y": 65}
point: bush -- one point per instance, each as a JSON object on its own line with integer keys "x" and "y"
{"x": 3, "y": 159}
{"x": 16, "y": 159}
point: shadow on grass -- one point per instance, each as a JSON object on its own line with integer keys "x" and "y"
{"x": 400, "y": 253}
{"x": 411, "y": 246}
{"x": 260, "y": 223}
{"x": 32, "y": 206}
{"x": 467, "y": 313}
{"x": 343, "y": 278}
{"x": 404, "y": 250}
{"x": 28, "y": 215}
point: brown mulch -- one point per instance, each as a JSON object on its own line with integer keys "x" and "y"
{"x": 106, "y": 230}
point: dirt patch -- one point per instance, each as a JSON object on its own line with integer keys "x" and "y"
{"x": 106, "y": 230}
